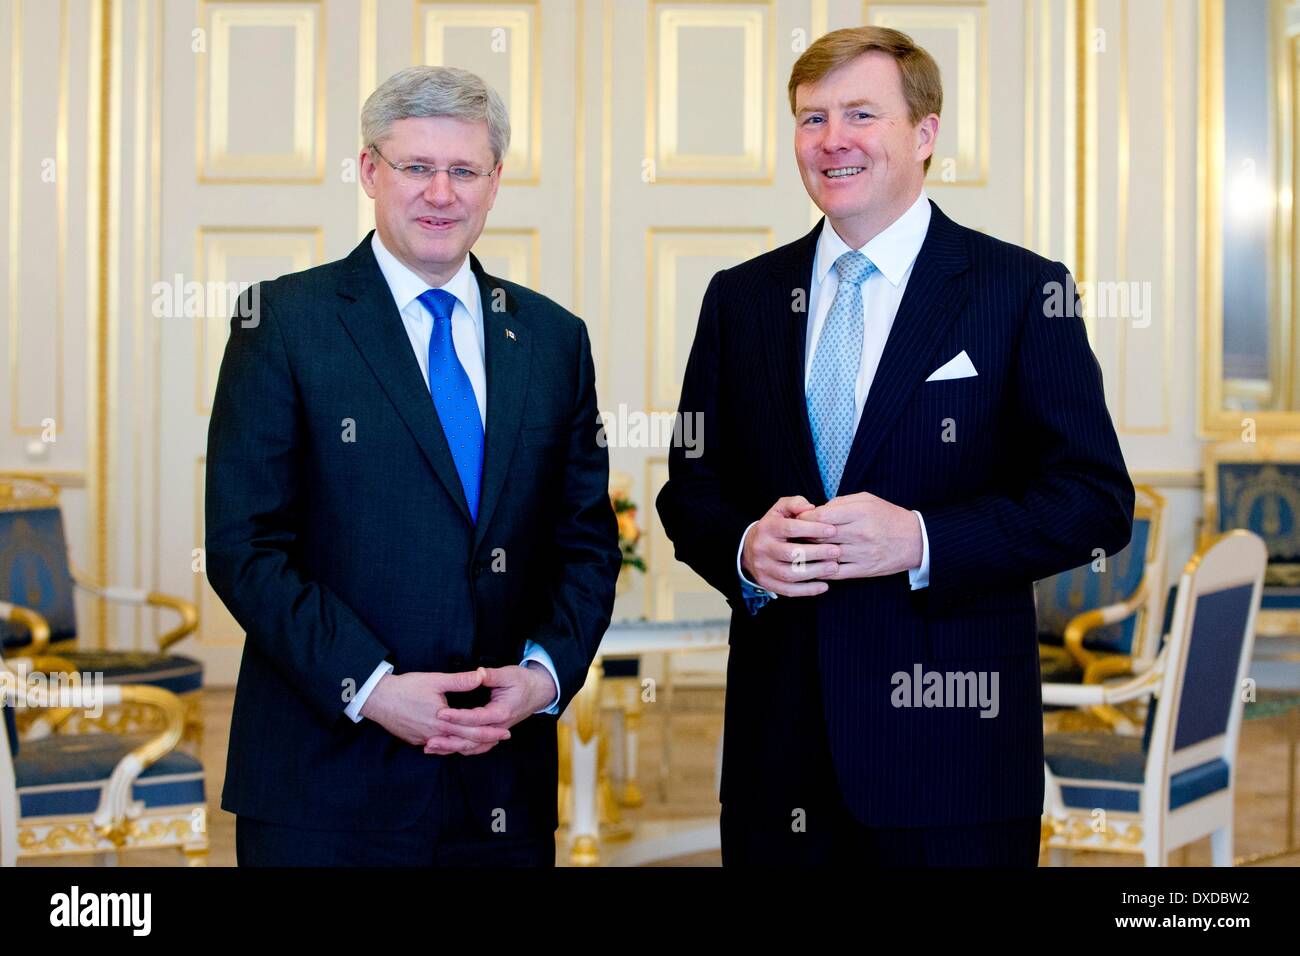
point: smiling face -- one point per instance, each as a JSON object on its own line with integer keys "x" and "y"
{"x": 859, "y": 154}
{"x": 430, "y": 228}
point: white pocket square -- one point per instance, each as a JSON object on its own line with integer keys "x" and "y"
{"x": 959, "y": 366}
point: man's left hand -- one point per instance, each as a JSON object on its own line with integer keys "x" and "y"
{"x": 515, "y": 693}
{"x": 876, "y": 538}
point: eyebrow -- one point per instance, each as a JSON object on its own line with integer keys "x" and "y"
{"x": 427, "y": 161}
{"x": 851, "y": 104}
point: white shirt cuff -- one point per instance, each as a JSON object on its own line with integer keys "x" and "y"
{"x": 353, "y": 709}
{"x": 920, "y": 577}
{"x": 535, "y": 652}
{"x": 758, "y": 588}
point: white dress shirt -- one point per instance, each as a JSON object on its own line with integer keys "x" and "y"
{"x": 467, "y": 336}
{"x": 893, "y": 251}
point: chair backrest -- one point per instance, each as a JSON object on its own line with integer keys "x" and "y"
{"x": 1256, "y": 486}
{"x": 1195, "y": 720}
{"x": 1070, "y": 593}
{"x": 34, "y": 569}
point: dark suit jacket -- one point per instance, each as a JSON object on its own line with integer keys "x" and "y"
{"x": 336, "y": 555}
{"x": 1033, "y": 483}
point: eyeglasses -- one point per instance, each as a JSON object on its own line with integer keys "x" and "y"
{"x": 422, "y": 174}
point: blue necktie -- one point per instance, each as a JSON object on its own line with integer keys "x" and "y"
{"x": 453, "y": 397}
{"x": 831, "y": 405}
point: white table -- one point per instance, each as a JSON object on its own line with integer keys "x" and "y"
{"x": 629, "y": 639}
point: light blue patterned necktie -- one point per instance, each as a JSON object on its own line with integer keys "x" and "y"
{"x": 831, "y": 405}
{"x": 453, "y": 397}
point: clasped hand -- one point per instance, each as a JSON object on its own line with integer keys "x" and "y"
{"x": 413, "y": 707}
{"x": 797, "y": 548}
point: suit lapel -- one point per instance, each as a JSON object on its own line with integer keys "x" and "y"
{"x": 935, "y": 294}
{"x": 508, "y": 344}
{"x": 788, "y": 330}
{"x": 371, "y": 318}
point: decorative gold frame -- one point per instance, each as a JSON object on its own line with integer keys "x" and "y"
{"x": 970, "y": 92}
{"x": 1215, "y": 421}
{"x": 1268, "y": 623}
{"x": 517, "y": 16}
{"x": 756, "y": 166}
{"x": 305, "y": 163}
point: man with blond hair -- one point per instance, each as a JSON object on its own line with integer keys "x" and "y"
{"x": 909, "y": 431}
{"x": 408, "y": 512}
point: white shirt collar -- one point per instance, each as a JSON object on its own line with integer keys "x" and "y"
{"x": 893, "y": 249}
{"x": 406, "y": 286}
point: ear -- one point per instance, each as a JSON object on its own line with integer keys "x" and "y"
{"x": 927, "y": 133}
{"x": 496, "y": 183}
{"x": 367, "y": 171}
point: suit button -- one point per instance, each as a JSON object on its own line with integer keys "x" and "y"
{"x": 457, "y": 663}
{"x": 476, "y": 568}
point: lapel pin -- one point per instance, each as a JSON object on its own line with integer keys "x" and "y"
{"x": 510, "y": 335}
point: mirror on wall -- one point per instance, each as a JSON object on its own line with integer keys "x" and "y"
{"x": 1250, "y": 63}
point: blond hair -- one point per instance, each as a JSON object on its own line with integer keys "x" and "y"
{"x": 922, "y": 84}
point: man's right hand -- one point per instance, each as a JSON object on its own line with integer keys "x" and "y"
{"x": 781, "y": 553}
{"x": 407, "y": 705}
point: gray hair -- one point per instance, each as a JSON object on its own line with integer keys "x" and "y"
{"x": 420, "y": 91}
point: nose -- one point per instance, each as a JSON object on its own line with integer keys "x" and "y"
{"x": 834, "y": 135}
{"x": 439, "y": 192}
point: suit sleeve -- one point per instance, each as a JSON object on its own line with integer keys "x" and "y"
{"x": 1076, "y": 495}
{"x": 586, "y": 549}
{"x": 698, "y": 516}
{"x": 254, "y": 481}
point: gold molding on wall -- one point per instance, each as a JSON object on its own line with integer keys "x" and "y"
{"x": 306, "y": 163}
{"x": 102, "y": 151}
{"x": 1213, "y": 420}
{"x": 606, "y": 179}
{"x": 367, "y": 81}
{"x": 213, "y": 246}
{"x": 754, "y": 166}
{"x": 661, "y": 586}
{"x": 523, "y": 19}
{"x": 1168, "y": 236}
{"x": 665, "y": 245}
{"x": 521, "y": 248}
{"x": 1169, "y": 477}
{"x": 969, "y": 19}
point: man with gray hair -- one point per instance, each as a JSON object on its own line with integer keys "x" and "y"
{"x": 408, "y": 513}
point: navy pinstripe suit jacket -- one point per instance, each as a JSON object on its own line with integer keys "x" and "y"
{"x": 1033, "y": 483}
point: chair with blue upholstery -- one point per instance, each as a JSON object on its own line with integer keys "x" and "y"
{"x": 37, "y": 586}
{"x": 1174, "y": 784}
{"x": 1105, "y": 615}
{"x": 95, "y": 793}
{"x": 1256, "y": 486}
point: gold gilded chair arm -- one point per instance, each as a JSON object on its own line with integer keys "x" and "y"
{"x": 1080, "y": 625}
{"x": 186, "y": 609}
{"x": 1112, "y": 665}
{"x": 188, "y": 612}
{"x": 1094, "y": 695}
{"x": 37, "y": 626}
{"x": 1050, "y": 652}
{"x": 1103, "y": 668}
{"x": 116, "y": 807}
